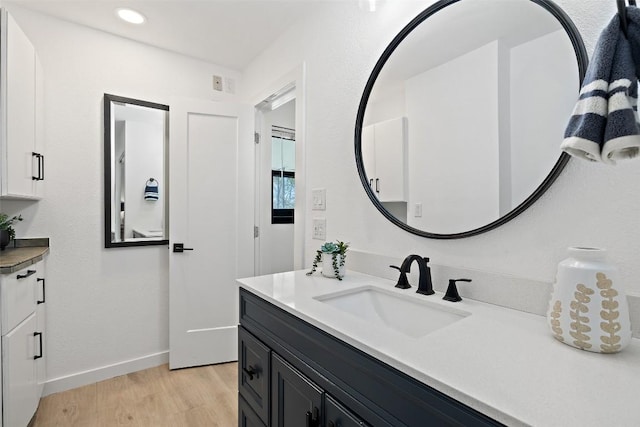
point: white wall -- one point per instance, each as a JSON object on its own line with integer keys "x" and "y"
{"x": 452, "y": 112}
{"x": 537, "y": 122}
{"x": 105, "y": 306}
{"x": 589, "y": 204}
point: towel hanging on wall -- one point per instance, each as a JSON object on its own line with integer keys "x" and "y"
{"x": 151, "y": 190}
{"x": 604, "y": 124}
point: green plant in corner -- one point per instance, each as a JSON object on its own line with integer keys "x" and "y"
{"x": 6, "y": 224}
{"x": 334, "y": 248}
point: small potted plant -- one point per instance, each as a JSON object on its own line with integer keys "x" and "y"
{"x": 332, "y": 255}
{"x": 7, "y": 233}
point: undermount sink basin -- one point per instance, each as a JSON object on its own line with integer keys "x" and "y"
{"x": 407, "y": 314}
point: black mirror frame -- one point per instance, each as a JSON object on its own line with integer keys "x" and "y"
{"x": 583, "y": 60}
{"x": 108, "y": 99}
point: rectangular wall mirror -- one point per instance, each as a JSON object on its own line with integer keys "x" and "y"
{"x": 135, "y": 172}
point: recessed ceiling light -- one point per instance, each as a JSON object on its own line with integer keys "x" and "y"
{"x": 131, "y": 16}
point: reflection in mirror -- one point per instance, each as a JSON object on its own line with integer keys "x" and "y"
{"x": 461, "y": 121}
{"x": 135, "y": 150}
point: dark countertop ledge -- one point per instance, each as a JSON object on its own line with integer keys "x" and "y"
{"x": 22, "y": 253}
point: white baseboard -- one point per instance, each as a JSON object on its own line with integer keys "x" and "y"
{"x": 91, "y": 376}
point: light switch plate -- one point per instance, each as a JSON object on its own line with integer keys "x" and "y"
{"x": 417, "y": 210}
{"x": 319, "y": 197}
{"x": 319, "y": 228}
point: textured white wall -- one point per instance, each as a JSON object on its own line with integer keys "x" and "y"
{"x": 105, "y": 306}
{"x": 454, "y": 164}
{"x": 589, "y": 204}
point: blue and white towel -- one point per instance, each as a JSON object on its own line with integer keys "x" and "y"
{"x": 151, "y": 190}
{"x": 604, "y": 124}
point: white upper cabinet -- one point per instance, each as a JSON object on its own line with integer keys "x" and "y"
{"x": 384, "y": 154}
{"x": 21, "y": 110}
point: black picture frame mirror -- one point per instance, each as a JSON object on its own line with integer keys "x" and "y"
{"x": 136, "y": 192}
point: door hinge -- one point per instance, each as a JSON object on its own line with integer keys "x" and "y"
{"x": 256, "y": 231}
{"x": 256, "y": 137}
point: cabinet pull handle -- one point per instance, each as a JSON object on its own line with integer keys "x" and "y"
{"x": 41, "y": 279}
{"x": 250, "y": 372}
{"x": 27, "y": 274}
{"x": 40, "y": 158}
{"x": 39, "y": 335}
{"x": 371, "y": 182}
{"x": 377, "y": 186}
{"x": 313, "y": 418}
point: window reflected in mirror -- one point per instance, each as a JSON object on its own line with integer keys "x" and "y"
{"x": 135, "y": 172}
{"x": 283, "y": 174}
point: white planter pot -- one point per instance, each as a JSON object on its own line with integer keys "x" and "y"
{"x": 588, "y": 307}
{"x": 327, "y": 265}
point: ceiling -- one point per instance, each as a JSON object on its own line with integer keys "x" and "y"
{"x": 229, "y": 33}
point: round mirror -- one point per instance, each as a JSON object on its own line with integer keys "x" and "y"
{"x": 460, "y": 123}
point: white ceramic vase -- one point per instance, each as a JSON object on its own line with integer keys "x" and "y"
{"x": 588, "y": 307}
{"x": 327, "y": 265}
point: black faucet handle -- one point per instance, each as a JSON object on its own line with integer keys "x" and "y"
{"x": 403, "y": 282}
{"x": 452, "y": 290}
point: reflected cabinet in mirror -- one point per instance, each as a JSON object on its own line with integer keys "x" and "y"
{"x": 135, "y": 172}
{"x": 460, "y": 123}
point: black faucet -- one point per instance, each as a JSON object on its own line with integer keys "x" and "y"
{"x": 425, "y": 286}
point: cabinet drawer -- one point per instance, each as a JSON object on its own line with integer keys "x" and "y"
{"x": 254, "y": 370}
{"x": 246, "y": 416}
{"x": 17, "y": 296}
{"x": 339, "y": 416}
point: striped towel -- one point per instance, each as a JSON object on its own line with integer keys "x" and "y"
{"x": 151, "y": 190}
{"x": 604, "y": 124}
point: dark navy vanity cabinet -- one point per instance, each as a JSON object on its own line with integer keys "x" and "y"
{"x": 292, "y": 374}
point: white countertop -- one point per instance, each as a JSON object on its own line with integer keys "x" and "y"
{"x": 501, "y": 362}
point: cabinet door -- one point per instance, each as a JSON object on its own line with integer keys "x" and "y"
{"x": 246, "y": 416}
{"x": 254, "y": 372}
{"x": 18, "y": 106}
{"x": 21, "y": 107}
{"x": 295, "y": 400}
{"x": 41, "y": 322}
{"x": 19, "y": 385}
{"x": 39, "y": 149}
{"x": 339, "y": 416}
{"x": 368, "y": 149}
{"x": 391, "y": 142}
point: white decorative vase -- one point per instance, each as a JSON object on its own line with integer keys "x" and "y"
{"x": 588, "y": 308}
{"x": 327, "y": 265}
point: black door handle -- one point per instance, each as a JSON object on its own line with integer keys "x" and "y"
{"x": 179, "y": 247}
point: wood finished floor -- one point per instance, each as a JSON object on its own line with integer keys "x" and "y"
{"x": 193, "y": 397}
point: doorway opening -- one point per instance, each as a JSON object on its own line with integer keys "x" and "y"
{"x": 276, "y": 195}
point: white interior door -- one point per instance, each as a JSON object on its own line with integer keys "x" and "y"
{"x": 211, "y": 214}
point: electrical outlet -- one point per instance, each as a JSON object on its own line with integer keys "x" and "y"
{"x": 217, "y": 83}
{"x": 319, "y": 197}
{"x": 319, "y": 228}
